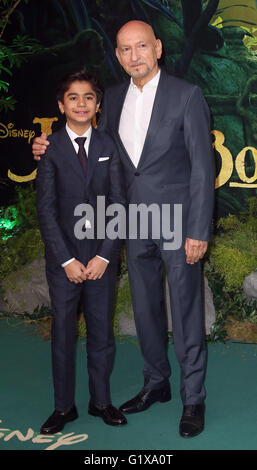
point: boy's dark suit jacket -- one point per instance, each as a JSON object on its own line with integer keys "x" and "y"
{"x": 62, "y": 185}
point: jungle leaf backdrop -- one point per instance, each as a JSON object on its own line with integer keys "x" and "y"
{"x": 211, "y": 43}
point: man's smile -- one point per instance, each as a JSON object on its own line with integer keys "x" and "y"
{"x": 136, "y": 65}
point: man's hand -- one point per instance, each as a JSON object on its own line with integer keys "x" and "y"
{"x": 195, "y": 250}
{"x": 95, "y": 268}
{"x": 39, "y": 146}
{"x": 75, "y": 271}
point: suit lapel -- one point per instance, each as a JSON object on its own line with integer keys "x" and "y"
{"x": 158, "y": 112}
{"x": 68, "y": 151}
{"x": 95, "y": 148}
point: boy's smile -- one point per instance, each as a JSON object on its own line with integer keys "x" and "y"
{"x": 79, "y": 106}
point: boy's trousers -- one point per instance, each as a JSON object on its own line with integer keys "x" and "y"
{"x": 98, "y": 297}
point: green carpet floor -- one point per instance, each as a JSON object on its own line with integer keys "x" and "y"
{"x": 26, "y": 399}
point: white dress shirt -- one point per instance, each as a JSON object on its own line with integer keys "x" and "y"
{"x": 136, "y": 115}
{"x": 72, "y": 135}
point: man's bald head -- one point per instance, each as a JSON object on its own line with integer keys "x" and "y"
{"x": 138, "y": 51}
{"x": 136, "y": 25}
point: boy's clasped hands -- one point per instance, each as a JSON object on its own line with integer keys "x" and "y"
{"x": 77, "y": 272}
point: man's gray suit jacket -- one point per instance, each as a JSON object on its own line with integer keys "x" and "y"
{"x": 177, "y": 162}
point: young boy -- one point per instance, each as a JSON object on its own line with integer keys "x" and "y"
{"x": 81, "y": 163}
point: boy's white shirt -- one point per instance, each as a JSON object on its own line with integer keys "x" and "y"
{"x": 72, "y": 135}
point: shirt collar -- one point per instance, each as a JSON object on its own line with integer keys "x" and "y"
{"x": 152, "y": 83}
{"x": 72, "y": 135}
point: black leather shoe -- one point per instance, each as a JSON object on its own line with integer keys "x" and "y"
{"x": 109, "y": 414}
{"x": 57, "y": 421}
{"x": 146, "y": 398}
{"x": 192, "y": 420}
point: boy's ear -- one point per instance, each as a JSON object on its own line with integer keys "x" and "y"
{"x": 61, "y": 107}
{"x": 97, "y": 107}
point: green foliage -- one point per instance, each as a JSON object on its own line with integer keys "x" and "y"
{"x": 234, "y": 250}
{"x": 233, "y": 264}
{"x": 250, "y": 216}
{"x": 232, "y": 256}
{"x": 228, "y": 304}
{"x": 19, "y": 250}
{"x": 12, "y": 54}
{"x": 26, "y": 206}
{"x": 20, "y": 216}
{"x": 81, "y": 326}
{"x": 23, "y": 243}
{"x": 9, "y": 222}
{"x": 230, "y": 222}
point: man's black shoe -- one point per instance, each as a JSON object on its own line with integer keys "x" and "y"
{"x": 57, "y": 421}
{"x": 146, "y": 398}
{"x": 109, "y": 414}
{"x": 192, "y": 420}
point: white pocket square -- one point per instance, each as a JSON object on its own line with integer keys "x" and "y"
{"x": 102, "y": 159}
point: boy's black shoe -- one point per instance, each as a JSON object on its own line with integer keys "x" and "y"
{"x": 57, "y": 421}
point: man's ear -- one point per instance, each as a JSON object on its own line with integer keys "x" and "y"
{"x": 158, "y": 48}
{"x": 117, "y": 54}
{"x": 61, "y": 107}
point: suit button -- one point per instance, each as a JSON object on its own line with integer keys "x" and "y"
{"x": 137, "y": 174}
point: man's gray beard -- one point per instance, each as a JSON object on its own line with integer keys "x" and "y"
{"x": 140, "y": 74}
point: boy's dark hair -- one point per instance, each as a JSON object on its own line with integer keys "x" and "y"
{"x": 81, "y": 76}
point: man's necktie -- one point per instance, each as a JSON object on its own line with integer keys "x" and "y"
{"x": 82, "y": 153}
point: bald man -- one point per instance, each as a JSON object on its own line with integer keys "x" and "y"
{"x": 162, "y": 128}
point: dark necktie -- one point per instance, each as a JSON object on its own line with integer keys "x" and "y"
{"x": 82, "y": 153}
